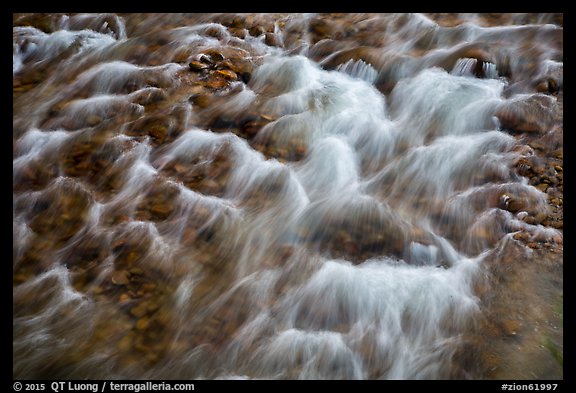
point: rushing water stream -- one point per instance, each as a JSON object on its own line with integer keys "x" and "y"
{"x": 269, "y": 196}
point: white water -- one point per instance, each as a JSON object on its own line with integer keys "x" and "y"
{"x": 355, "y": 262}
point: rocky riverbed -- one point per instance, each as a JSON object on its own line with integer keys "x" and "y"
{"x": 268, "y": 196}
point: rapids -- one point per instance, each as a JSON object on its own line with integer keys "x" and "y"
{"x": 271, "y": 196}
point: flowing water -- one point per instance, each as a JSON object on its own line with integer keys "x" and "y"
{"x": 269, "y": 196}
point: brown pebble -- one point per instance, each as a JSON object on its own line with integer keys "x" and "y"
{"x": 152, "y": 306}
{"x": 125, "y": 343}
{"x": 148, "y": 286}
{"x": 142, "y": 323}
{"x": 139, "y": 311}
{"x": 137, "y": 271}
{"x": 124, "y": 298}
{"x": 120, "y": 277}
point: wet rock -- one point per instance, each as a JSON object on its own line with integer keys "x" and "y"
{"x": 510, "y": 327}
{"x": 201, "y": 100}
{"x": 124, "y": 297}
{"x": 351, "y": 247}
{"x": 189, "y": 236}
{"x": 158, "y": 132}
{"x": 214, "y": 55}
{"x": 251, "y": 124}
{"x": 369, "y": 55}
{"x": 46, "y": 22}
{"x": 158, "y": 127}
{"x": 226, "y": 65}
{"x": 182, "y": 56}
{"x": 245, "y": 76}
{"x": 205, "y": 59}
{"x": 321, "y": 28}
{"x": 223, "y": 122}
{"x": 481, "y": 55}
{"x": 524, "y": 167}
{"x": 136, "y": 271}
{"x": 102, "y": 23}
{"x": 139, "y": 311}
{"x": 158, "y": 203}
{"x": 130, "y": 244}
{"x": 149, "y": 96}
{"x": 216, "y": 32}
{"x": 522, "y": 236}
{"x": 142, "y": 323}
{"x": 231, "y": 20}
{"x": 513, "y": 205}
{"x": 547, "y": 86}
{"x": 238, "y": 32}
{"x": 196, "y": 66}
{"x": 531, "y": 114}
{"x": 217, "y": 83}
{"x": 211, "y": 186}
{"x": 449, "y": 59}
{"x": 126, "y": 343}
{"x": 161, "y": 211}
{"x": 272, "y": 39}
{"x": 35, "y": 175}
{"x": 227, "y": 74}
{"x": 257, "y": 30}
{"x": 120, "y": 277}
{"x": 60, "y": 212}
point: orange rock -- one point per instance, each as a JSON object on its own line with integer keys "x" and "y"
{"x": 217, "y": 83}
{"x": 196, "y": 66}
{"x": 230, "y": 75}
{"x": 143, "y": 323}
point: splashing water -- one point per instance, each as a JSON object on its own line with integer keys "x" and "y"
{"x": 263, "y": 196}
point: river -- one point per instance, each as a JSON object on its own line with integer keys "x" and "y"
{"x": 287, "y": 196}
